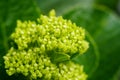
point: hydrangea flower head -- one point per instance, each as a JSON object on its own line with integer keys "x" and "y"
{"x": 43, "y": 49}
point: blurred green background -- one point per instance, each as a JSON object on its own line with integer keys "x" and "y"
{"x": 101, "y": 19}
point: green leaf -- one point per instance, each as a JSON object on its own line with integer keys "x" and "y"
{"x": 62, "y": 6}
{"x": 57, "y": 57}
{"x": 111, "y": 3}
{"x": 117, "y": 75}
{"x": 104, "y": 26}
{"x": 10, "y": 12}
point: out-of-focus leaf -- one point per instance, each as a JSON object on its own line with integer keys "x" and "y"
{"x": 117, "y": 75}
{"x": 90, "y": 58}
{"x": 10, "y": 11}
{"x": 111, "y": 3}
{"x": 62, "y": 6}
{"x": 118, "y": 7}
{"x": 104, "y": 26}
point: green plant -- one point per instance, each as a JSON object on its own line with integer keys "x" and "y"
{"x": 44, "y": 49}
{"x": 101, "y": 25}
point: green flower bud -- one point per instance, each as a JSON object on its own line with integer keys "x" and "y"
{"x": 38, "y": 45}
{"x": 70, "y": 70}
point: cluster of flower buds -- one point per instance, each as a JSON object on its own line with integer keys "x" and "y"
{"x": 36, "y": 42}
